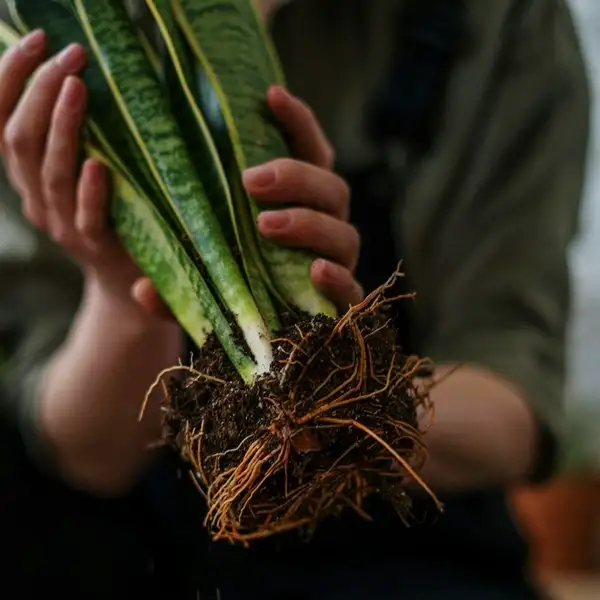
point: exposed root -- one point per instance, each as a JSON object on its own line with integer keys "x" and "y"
{"x": 333, "y": 422}
{"x": 160, "y": 381}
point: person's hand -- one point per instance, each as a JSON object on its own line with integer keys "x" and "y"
{"x": 319, "y": 219}
{"x": 40, "y": 131}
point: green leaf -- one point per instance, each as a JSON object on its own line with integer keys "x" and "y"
{"x": 8, "y": 37}
{"x": 231, "y": 44}
{"x": 229, "y": 208}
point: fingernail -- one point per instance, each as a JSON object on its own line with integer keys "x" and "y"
{"x": 259, "y": 177}
{"x": 273, "y": 220}
{"x": 329, "y": 271}
{"x": 95, "y": 171}
{"x": 279, "y": 91}
{"x": 70, "y": 58}
{"x": 72, "y": 92}
{"x": 32, "y": 42}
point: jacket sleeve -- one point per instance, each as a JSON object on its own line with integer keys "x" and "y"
{"x": 498, "y": 203}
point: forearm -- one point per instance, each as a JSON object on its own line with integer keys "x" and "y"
{"x": 483, "y": 433}
{"x": 111, "y": 357}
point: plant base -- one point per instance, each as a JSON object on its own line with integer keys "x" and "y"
{"x": 334, "y": 421}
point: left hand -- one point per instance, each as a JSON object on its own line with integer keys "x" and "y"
{"x": 318, "y": 220}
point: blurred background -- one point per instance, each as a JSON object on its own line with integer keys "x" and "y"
{"x": 564, "y": 518}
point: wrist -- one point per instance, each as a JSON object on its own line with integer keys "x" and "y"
{"x": 112, "y": 299}
{"x": 481, "y": 435}
{"x": 88, "y": 408}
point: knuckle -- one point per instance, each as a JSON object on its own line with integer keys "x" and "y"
{"x": 353, "y": 242}
{"x": 16, "y": 139}
{"x": 15, "y": 182}
{"x": 343, "y": 199}
{"x": 308, "y": 111}
{"x": 88, "y": 229}
{"x": 56, "y": 183}
{"x": 352, "y": 236}
{"x": 329, "y": 156}
{"x": 64, "y": 238}
{"x": 31, "y": 211}
{"x": 345, "y": 191}
{"x": 303, "y": 223}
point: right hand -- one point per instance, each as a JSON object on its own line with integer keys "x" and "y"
{"x": 40, "y": 131}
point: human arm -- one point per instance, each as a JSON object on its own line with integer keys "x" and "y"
{"x": 493, "y": 284}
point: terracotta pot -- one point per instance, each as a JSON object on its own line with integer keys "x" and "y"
{"x": 562, "y": 522}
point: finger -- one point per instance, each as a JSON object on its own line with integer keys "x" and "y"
{"x": 305, "y": 228}
{"x": 285, "y": 181}
{"x": 337, "y": 283}
{"x": 16, "y": 65}
{"x": 309, "y": 142}
{"x": 91, "y": 213}
{"x": 26, "y": 131}
{"x": 59, "y": 169}
{"x": 31, "y": 206}
{"x": 147, "y": 297}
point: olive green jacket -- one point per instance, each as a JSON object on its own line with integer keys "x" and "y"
{"x": 487, "y": 214}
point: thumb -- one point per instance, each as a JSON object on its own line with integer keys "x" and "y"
{"x": 147, "y": 297}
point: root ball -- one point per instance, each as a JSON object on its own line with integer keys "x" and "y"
{"x": 334, "y": 421}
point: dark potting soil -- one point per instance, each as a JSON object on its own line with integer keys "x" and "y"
{"x": 295, "y": 446}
